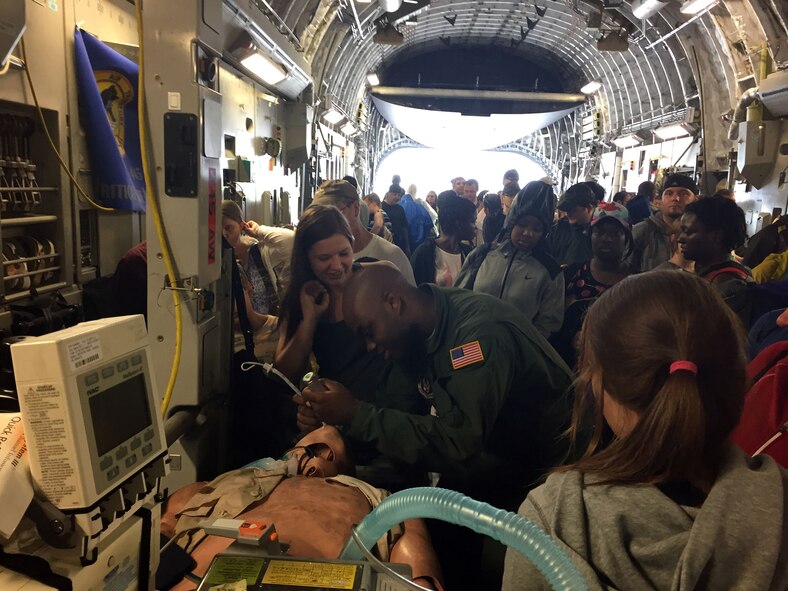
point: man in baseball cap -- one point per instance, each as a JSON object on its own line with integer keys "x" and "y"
{"x": 652, "y": 235}
{"x": 678, "y": 190}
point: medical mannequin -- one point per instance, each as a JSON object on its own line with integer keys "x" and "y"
{"x": 312, "y": 513}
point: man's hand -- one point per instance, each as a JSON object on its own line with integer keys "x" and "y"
{"x": 305, "y": 417}
{"x": 334, "y": 405}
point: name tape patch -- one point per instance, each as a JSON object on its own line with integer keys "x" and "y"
{"x": 466, "y": 355}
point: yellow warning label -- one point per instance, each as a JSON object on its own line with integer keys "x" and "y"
{"x": 310, "y": 574}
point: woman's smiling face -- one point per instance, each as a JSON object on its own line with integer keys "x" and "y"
{"x": 331, "y": 260}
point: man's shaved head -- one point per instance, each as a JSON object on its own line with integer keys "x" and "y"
{"x": 381, "y": 306}
{"x": 368, "y": 286}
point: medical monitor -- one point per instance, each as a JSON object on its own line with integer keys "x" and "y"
{"x": 89, "y": 407}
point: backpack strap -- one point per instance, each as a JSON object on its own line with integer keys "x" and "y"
{"x": 548, "y": 262}
{"x": 771, "y": 363}
{"x": 474, "y": 262}
{"x": 733, "y": 270}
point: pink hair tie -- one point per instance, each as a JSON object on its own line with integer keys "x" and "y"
{"x": 683, "y": 366}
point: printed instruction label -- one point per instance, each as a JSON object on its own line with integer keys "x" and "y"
{"x": 310, "y": 574}
{"x": 235, "y": 568}
{"x": 120, "y": 580}
{"x": 51, "y": 462}
{"x": 16, "y": 488}
{"x": 84, "y": 351}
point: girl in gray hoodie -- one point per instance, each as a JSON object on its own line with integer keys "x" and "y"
{"x": 518, "y": 269}
{"x": 669, "y": 503}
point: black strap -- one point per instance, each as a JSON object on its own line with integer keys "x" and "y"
{"x": 479, "y": 257}
{"x": 270, "y": 288}
{"x": 769, "y": 366}
{"x": 143, "y": 566}
{"x": 240, "y": 305}
{"x": 35, "y": 568}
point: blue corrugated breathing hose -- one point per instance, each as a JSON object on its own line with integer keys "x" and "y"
{"x": 508, "y": 528}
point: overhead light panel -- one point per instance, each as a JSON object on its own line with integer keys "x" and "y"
{"x": 257, "y": 60}
{"x": 695, "y": 6}
{"x": 390, "y": 5}
{"x": 591, "y": 87}
{"x": 264, "y": 68}
{"x": 642, "y": 9}
{"x": 348, "y": 128}
{"x": 629, "y": 140}
{"x": 333, "y": 116}
{"x": 373, "y": 79}
{"x": 674, "y": 130}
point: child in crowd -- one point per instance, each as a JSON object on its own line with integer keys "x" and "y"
{"x": 669, "y": 503}
{"x": 519, "y": 270}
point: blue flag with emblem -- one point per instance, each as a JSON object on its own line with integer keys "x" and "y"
{"x": 107, "y": 84}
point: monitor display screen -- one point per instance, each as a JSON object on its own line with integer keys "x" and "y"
{"x": 120, "y": 412}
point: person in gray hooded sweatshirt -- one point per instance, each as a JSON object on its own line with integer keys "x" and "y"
{"x": 669, "y": 503}
{"x": 518, "y": 269}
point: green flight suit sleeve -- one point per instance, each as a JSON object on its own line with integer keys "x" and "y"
{"x": 467, "y": 404}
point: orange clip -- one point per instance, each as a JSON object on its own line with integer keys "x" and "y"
{"x": 251, "y": 529}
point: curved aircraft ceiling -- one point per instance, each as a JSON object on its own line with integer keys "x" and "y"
{"x": 671, "y": 60}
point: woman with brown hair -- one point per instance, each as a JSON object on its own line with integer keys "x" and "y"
{"x": 669, "y": 503}
{"x": 312, "y": 320}
{"x": 321, "y": 266}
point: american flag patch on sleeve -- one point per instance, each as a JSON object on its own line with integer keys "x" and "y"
{"x": 466, "y": 354}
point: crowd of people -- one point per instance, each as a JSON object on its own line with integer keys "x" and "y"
{"x": 460, "y": 336}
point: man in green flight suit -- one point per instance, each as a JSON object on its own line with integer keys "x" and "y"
{"x": 499, "y": 392}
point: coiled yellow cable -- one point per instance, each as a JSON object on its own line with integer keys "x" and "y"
{"x": 52, "y": 145}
